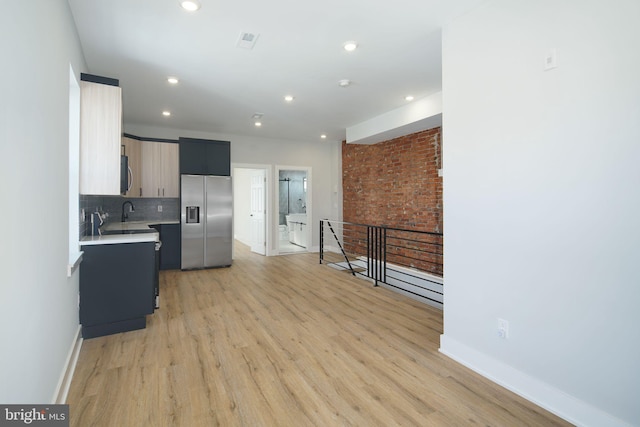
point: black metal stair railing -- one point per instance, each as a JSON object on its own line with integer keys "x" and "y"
{"x": 344, "y": 254}
{"x": 410, "y": 261}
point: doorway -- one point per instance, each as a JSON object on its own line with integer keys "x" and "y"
{"x": 250, "y": 206}
{"x": 293, "y": 195}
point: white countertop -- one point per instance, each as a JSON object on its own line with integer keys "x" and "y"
{"x": 111, "y": 239}
{"x": 134, "y": 225}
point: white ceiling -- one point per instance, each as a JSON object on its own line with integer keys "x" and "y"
{"x": 299, "y": 52}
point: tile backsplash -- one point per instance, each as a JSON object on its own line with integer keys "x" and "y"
{"x": 145, "y": 209}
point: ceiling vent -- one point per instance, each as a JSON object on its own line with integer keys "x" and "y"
{"x": 247, "y": 40}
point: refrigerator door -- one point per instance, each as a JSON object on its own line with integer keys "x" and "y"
{"x": 219, "y": 221}
{"x": 192, "y": 220}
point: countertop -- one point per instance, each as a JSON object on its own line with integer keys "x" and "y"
{"x": 111, "y": 239}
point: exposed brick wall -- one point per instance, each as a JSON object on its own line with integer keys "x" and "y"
{"x": 395, "y": 183}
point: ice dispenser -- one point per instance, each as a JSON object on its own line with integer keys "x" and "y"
{"x": 193, "y": 214}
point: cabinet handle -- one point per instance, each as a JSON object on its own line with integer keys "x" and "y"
{"x": 158, "y": 192}
{"x": 163, "y": 192}
{"x": 140, "y": 191}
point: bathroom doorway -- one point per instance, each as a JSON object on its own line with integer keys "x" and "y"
{"x": 293, "y": 192}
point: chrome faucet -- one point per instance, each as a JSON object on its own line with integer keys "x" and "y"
{"x": 124, "y": 214}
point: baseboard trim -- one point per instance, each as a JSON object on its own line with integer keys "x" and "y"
{"x": 542, "y": 394}
{"x": 62, "y": 390}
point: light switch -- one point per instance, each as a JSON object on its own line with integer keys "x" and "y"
{"x": 551, "y": 60}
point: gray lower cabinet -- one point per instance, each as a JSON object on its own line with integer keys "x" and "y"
{"x": 117, "y": 287}
{"x": 170, "y": 249}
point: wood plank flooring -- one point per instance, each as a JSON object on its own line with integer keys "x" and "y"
{"x": 284, "y": 341}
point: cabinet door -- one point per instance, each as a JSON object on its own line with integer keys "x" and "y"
{"x": 169, "y": 170}
{"x": 132, "y": 150}
{"x": 159, "y": 164}
{"x": 170, "y": 249}
{"x": 150, "y": 169}
{"x": 100, "y": 133}
{"x": 218, "y": 158}
{"x": 205, "y": 157}
{"x": 193, "y": 157}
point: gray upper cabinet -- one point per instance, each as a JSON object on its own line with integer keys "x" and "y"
{"x": 100, "y": 137}
{"x": 205, "y": 157}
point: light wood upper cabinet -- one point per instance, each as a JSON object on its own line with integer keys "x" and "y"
{"x": 149, "y": 169}
{"x": 170, "y": 169}
{"x": 132, "y": 149}
{"x": 100, "y": 138}
{"x": 160, "y": 169}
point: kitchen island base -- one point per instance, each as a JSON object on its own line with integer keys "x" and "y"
{"x": 117, "y": 287}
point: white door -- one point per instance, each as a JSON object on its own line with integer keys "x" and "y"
{"x": 258, "y": 212}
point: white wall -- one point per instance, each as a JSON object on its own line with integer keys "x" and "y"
{"x": 541, "y": 202}
{"x": 419, "y": 115}
{"x": 320, "y": 156}
{"x": 38, "y": 303}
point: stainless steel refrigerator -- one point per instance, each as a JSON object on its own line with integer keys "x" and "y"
{"x": 206, "y": 219}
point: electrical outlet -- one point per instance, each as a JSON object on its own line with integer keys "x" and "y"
{"x": 159, "y": 208}
{"x": 503, "y": 329}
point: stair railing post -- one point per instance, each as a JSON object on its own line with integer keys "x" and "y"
{"x": 321, "y": 241}
{"x": 384, "y": 254}
{"x": 369, "y": 251}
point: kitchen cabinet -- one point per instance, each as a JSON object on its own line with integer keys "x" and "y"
{"x": 170, "y": 250}
{"x": 117, "y": 287}
{"x": 132, "y": 149}
{"x": 170, "y": 169}
{"x": 205, "y": 157}
{"x": 160, "y": 175}
{"x": 100, "y": 133}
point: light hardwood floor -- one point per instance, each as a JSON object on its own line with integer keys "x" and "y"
{"x": 284, "y": 341}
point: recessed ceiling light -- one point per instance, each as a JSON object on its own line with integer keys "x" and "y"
{"x": 166, "y": 113}
{"x": 323, "y": 136}
{"x": 173, "y": 80}
{"x": 344, "y": 82}
{"x": 288, "y": 98}
{"x": 258, "y": 124}
{"x": 408, "y": 98}
{"x": 350, "y": 46}
{"x": 190, "y": 5}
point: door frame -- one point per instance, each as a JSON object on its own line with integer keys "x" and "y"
{"x": 267, "y": 199}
